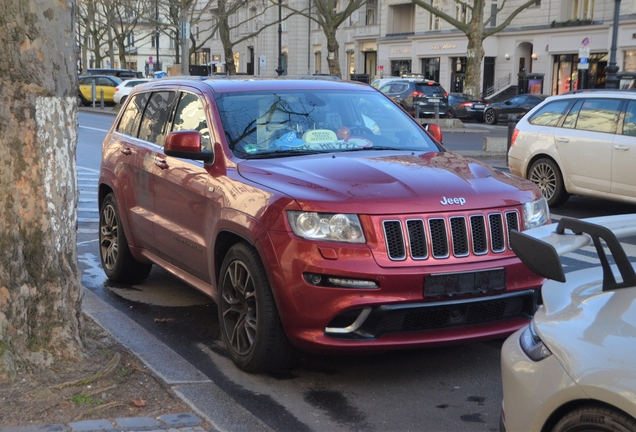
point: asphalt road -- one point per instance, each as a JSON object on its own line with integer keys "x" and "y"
{"x": 174, "y": 330}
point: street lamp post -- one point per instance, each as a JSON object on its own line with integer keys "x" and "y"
{"x": 611, "y": 80}
{"x": 279, "y": 70}
{"x": 157, "y": 65}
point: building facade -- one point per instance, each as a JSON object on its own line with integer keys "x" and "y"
{"x": 551, "y": 47}
{"x": 540, "y": 51}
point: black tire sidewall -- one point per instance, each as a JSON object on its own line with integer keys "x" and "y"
{"x": 560, "y": 195}
{"x": 271, "y": 350}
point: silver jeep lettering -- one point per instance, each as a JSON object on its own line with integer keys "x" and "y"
{"x": 451, "y": 201}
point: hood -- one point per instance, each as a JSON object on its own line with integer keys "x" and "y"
{"x": 591, "y": 332}
{"x": 380, "y": 182}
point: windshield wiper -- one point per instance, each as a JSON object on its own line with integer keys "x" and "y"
{"x": 282, "y": 153}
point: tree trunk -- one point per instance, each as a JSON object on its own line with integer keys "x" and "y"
{"x": 333, "y": 59}
{"x": 474, "y": 57}
{"x": 40, "y": 290}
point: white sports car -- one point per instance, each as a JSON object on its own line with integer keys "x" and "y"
{"x": 574, "y": 367}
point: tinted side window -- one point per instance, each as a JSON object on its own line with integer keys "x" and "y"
{"x": 573, "y": 115}
{"x": 190, "y": 115}
{"x": 153, "y": 125}
{"x": 629, "y": 124}
{"x": 106, "y": 82}
{"x": 599, "y": 115}
{"x": 549, "y": 114}
{"x": 129, "y": 123}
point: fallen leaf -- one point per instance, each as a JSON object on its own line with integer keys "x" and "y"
{"x": 163, "y": 320}
{"x": 139, "y": 403}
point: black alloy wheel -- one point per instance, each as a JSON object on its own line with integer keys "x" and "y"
{"x": 248, "y": 317}
{"x": 117, "y": 261}
{"x": 490, "y": 116}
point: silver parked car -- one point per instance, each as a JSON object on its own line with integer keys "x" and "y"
{"x": 582, "y": 143}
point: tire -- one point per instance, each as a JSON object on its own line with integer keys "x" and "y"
{"x": 82, "y": 101}
{"x": 248, "y": 318}
{"x": 596, "y": 418}
{"x": 490, "y": 116}
{"x": 546, "y": 174}
{"x": 117, "y": 261}
{"x": 122, "y": 101}
{"x": 450, "y": 113}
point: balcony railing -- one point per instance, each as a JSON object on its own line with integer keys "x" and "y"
{"x": 367, "y": 31}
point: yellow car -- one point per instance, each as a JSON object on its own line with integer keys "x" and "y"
{"x": 101, "y": 82}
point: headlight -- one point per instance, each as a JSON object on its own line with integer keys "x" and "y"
{"x": 532, "y": 345}
{"x": 326, "y": 226}
{"x": 536, "y": 213}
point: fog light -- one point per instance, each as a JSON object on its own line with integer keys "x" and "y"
{"x": 352, "y": 283}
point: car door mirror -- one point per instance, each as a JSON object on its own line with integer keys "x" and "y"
{"x": 187, "y": 145}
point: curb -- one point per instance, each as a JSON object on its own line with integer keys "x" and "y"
{"x": 184, "y": 422}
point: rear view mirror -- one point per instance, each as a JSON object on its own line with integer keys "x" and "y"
{"x": 187, "y": 145}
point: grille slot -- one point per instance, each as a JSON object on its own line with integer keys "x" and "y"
{"x": 497, "y": 232}
{"x": 437, "y": 237}
{"x": 417, "y": 239}
{"x": 460, "y": 236}
{"x": 394, "y": 240}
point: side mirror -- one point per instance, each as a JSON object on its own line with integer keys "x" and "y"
{"x": 186, "y": 145}
{"x": 435, "y": 131}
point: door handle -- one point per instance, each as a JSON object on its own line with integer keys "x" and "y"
{"x": 563, "y": 140}
{"x": 126, "y": 150}
{"x": 162, "y": 164}
{"x": 621, "y": 147}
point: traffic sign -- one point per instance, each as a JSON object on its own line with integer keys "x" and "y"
{"x": 585, "y": 42}
{"x": 584, "y": 53}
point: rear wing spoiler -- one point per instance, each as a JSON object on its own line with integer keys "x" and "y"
{"x": 539, "y": 248}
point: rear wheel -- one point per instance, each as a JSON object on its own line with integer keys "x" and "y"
{"x": 546, "y": 174}
{"x": 490, "y": 116}
{"x": 117, "y": 261}
{"x": 123, "y": 100}
{"x": 450, "y": 113}
{"x": 597, "y": 419}
{"x": 248, "y": 317}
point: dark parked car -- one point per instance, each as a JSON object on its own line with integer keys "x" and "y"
{"x": 119, "y": 73}
{"x": 464, "y": 107}
{"x": 518, "y": 105}
{"x": 421, "y": 94}
{"x": 318, "y": 216}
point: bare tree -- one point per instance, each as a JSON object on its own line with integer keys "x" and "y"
{"x": 126, "y": 15}
{"x": 329, "y": 18}
{"x": 476, "y": 30}
{"x": 92, "y": 30}
{"x": 40, "y": 290}
{"x": 231, "y": 22}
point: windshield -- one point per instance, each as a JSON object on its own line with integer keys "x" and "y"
{"x": 266, "y": 124}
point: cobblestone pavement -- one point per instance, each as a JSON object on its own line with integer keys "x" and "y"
{"x": 184, "y": 422}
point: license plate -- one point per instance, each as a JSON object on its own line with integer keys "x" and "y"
{"x": 433, "y": 100}
{"x": 476, "y": 106}
{"x": 450, "y": 284}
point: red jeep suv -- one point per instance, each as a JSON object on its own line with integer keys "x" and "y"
{"x": 317, "y": 214}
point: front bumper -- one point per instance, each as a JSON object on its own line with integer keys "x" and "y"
{"x": 532, "y": 391}
{"x": 396, "y": 314}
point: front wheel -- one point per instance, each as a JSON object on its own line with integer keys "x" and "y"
{"x": 546, "y": 174}
{"x": 490, "y": 116}
{"x": 596, "y": 418}
{"x": 248, "y": 317}
{"x": 450, "y": 113}
{"x": 117, "y": 261}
